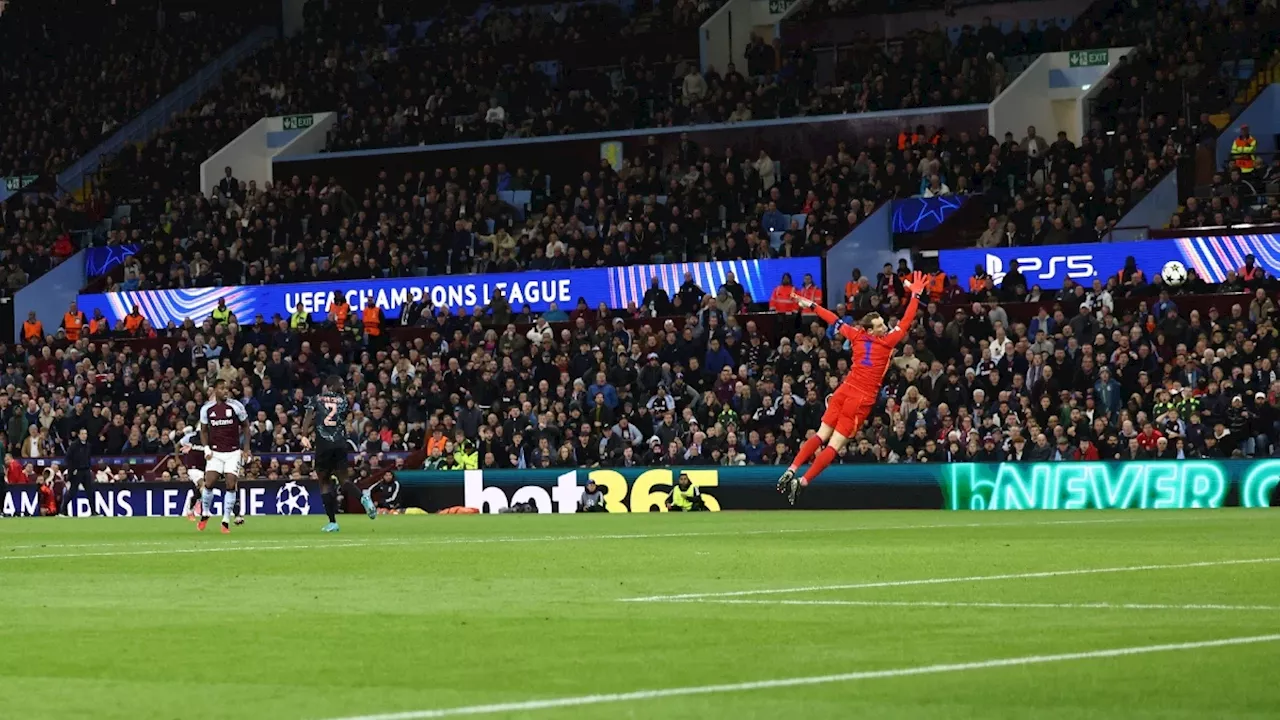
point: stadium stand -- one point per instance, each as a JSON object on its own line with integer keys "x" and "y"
{"x": 111, "y": 63}
{"x": 1131, "y": 368}
{"x": 1153, "y": 112}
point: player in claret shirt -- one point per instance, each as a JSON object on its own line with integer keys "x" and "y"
{"x": 850, "y": 405}
{"x": 224, "y": 430}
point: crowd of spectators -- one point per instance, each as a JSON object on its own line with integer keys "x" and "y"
{"x": 1245, "y": 192}
{"x": 1117, "y": 370}
{"x": 1051, "y": 191}
{"x": 111, "y": 63}
{"x": 719, "y": 205}
{"x": 474, "y": 77}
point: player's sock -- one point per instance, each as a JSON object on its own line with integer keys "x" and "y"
{"x": 206, "y": 502}
{"x": 820, "y": 463}
{"x": 228, "y": 505}
{"x": 807, "y": 450}
{"x": 331, "y": 505}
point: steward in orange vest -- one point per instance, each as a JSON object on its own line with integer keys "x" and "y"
{"x": 937, "y": 287}
{"x": 132, "y": 321}
{"x": 32, "y": 329}
{"x": 372, "y": 318}
{"x": 781, "y": 301}
{"x": 72, "y": 321}
{"x": 1242, "y": 151}
{"x": 98, "y": 325}
{"x": 810, "y": 291}
{"x": 339, "y": 310}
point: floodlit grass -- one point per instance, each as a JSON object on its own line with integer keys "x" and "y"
{"x": 146, "y": 618}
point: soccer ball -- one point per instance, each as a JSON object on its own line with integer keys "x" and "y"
{"x": 1174, "y": 273}
{"x": 293, "y": 499}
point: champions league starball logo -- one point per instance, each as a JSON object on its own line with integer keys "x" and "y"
{"x": 292, "y": 499}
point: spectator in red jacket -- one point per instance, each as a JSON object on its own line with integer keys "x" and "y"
{"x": 1149, "y": 437}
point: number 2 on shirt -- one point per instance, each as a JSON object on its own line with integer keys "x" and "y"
{"x": 866, "y": 352}
{"x": 332, "y": 417}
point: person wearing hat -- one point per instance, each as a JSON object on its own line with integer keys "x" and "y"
{"x": 592, "y": 499}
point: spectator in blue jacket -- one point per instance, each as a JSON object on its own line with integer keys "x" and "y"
{"x": 775, "y": 219}
{"x": 1107, "y": 392}
{"x": 717, "y": 358}
{"x": 604, "y": 388}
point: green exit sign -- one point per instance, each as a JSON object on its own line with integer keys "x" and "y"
{"x": 15, "y": 183}
{"x": 1088, "y": 58}
{"x": 298, "y": 122}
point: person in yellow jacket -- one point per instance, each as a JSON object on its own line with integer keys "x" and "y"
{"x": 1244, "y": 152}
{"x": 300, "y": 319}
{"x": 465, "y": 456}
{"x": 685, "y": 496}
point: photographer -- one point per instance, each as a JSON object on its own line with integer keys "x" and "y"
{"x": 386, "y": 493}
{"x": 685, "y": 496}
{"x": 47, "y": 505}
{"x": 592, "y": 498}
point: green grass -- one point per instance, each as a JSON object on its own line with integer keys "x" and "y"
{"x": 130, "y": 618}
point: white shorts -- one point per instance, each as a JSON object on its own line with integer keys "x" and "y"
{"x": 225, "y": 463}
{"x": 195, "y": 476}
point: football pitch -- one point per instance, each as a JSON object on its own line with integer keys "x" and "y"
{"x": 1144, "y": 614}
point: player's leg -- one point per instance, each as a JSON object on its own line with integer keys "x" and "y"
{"x": 329, "y": 478}
{"x": 845, "y": 428}
{"x": 211, "y": 477}
{"x": 344, "y": 482}
{"x": 197, "y": 483}
{"x": 830, "y": 417}
{"x": 229, "y": 498}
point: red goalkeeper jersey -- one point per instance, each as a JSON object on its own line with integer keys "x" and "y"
{"x": 871, "y": 354}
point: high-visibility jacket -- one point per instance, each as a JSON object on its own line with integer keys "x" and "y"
{"x": 812, "y": 293}
{"x": 298, "y": 319}
{"x": 466, "y": 460}
{"x": 99, "y": 326}
{"x": 132, "y": 322}
{"x": 685, "y": 498}
{"x": 976, "y": 283}
{"x": 1249, "y": 273}
{"x": 372, "y": 321}
{"x": 852, "y": 288}
{"x": 782, "y": 301}
{"x": 339, "y": 313}
{"x": 32, "y": 330}
{"x": 1242, "y": 153}
{"x": 72, "y": 322}
{"x": 906, "y": 140}
{"x": 434, "y": 443}
{"x": 220, "y": 316}
{"x": 937, "y": 287}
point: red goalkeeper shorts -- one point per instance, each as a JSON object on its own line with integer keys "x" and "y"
{"x": 847, "y": 409}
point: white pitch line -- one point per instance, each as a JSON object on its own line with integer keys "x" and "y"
{"x": 253, "y": 544}
{"x": 1000, "y": 605}
{"x": 948, "y": 580}
{"x": 261, "y": 544}
{"x": 641, "y": 695}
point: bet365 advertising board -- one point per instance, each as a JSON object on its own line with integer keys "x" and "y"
{"x": 1151, "y": 485}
